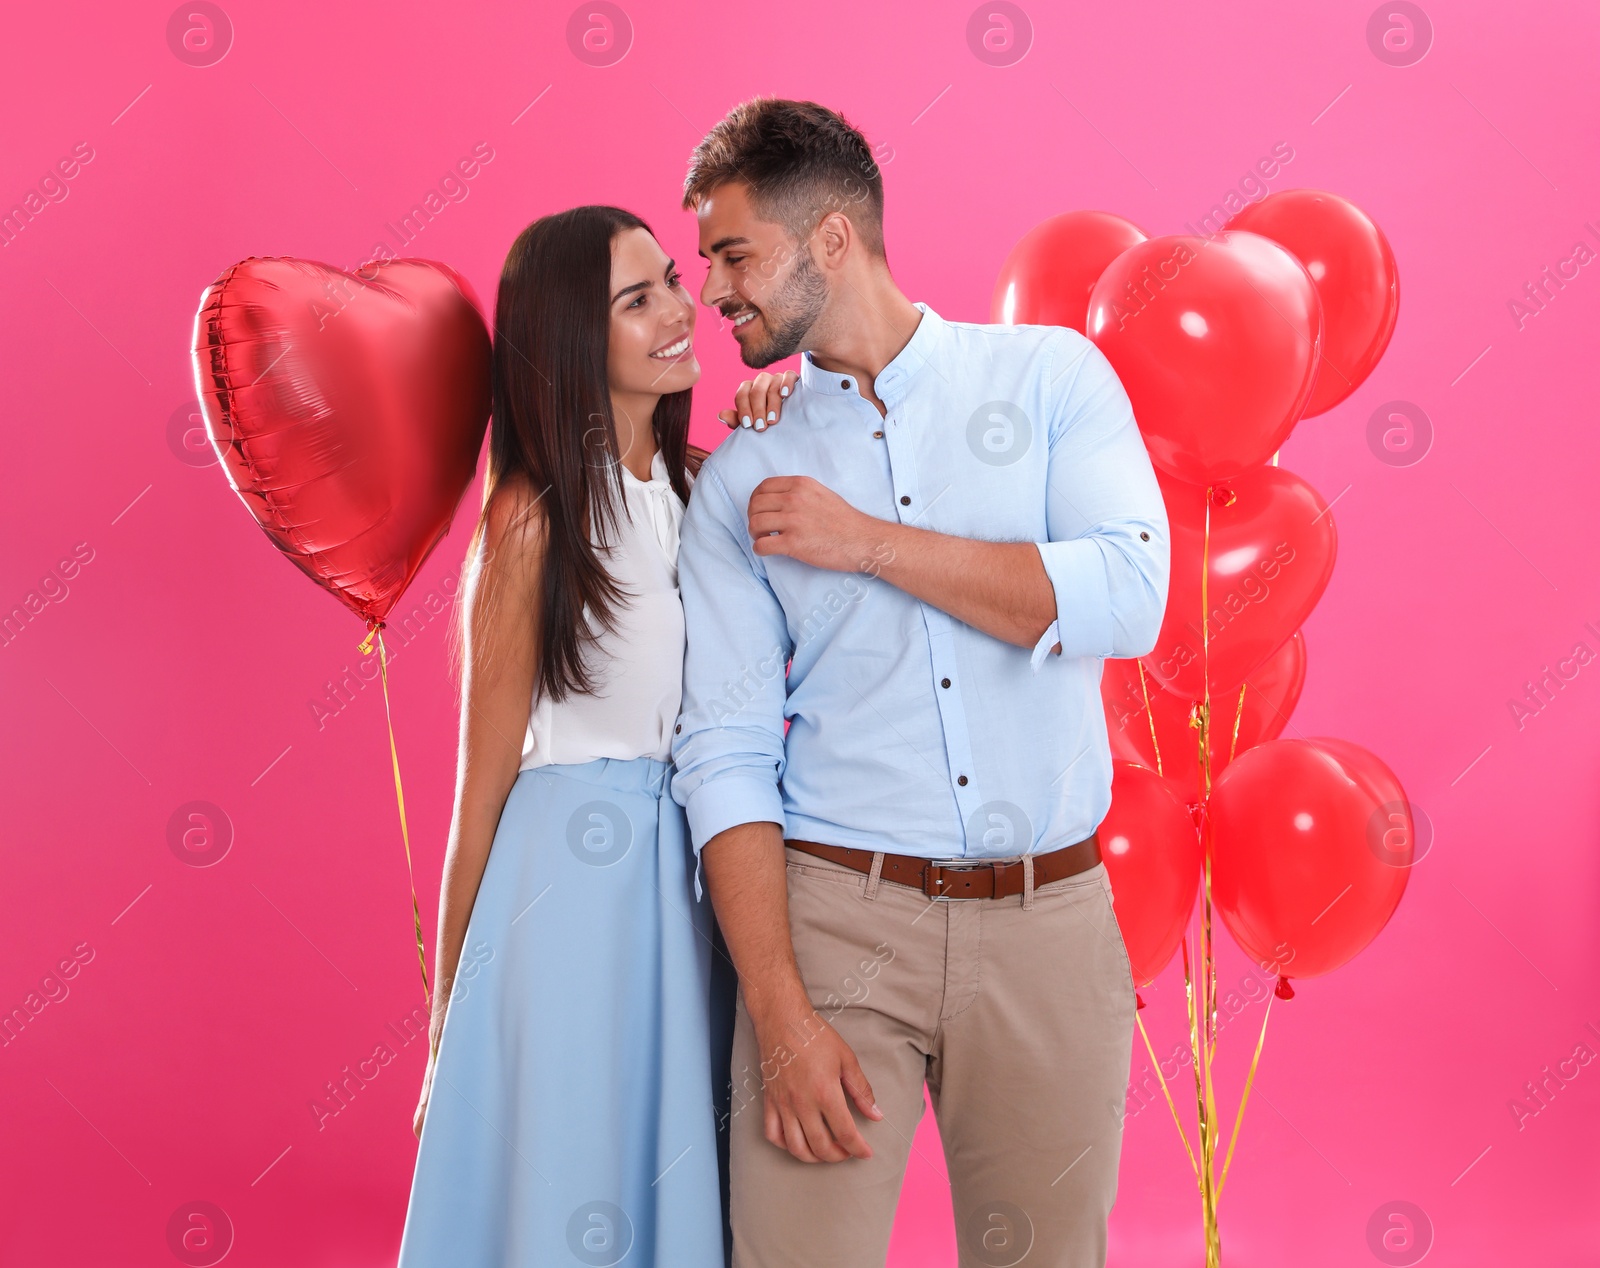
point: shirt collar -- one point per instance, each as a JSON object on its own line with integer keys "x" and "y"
{"x": 658, "y": 470}
{"x": 895, "y": 378}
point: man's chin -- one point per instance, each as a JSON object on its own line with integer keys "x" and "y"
{"x": 758, "y": 356}
{"x": 755, "y": 360}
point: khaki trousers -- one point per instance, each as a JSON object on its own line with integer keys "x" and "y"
{"x": 1017, "y": 1014}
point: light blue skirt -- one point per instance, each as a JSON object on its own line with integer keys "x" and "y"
{"x": 572, "y": 1114}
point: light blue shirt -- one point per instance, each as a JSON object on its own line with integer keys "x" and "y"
{"x": 910, "y": 731}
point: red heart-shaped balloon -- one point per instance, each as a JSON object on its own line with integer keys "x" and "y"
{"x": 348, "y": 410}
{"x": 1271, "y": 554}
{"x": 1270, "y": 695}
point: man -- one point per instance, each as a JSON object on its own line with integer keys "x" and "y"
{"x": 951, "y": 528}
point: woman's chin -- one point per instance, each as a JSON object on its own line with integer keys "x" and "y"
{"x": 683, "y": 376}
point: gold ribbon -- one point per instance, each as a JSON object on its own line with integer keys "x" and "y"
{"x": 1238, "y": 717}
{"x": 1149, "y": 713}
{"x": 1162, "y": 1080}
{"x": 375, "y": 631}
{"x": 1200, "y": 969}
{"x": 1249, "y": 1082}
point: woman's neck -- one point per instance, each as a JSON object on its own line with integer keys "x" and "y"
{"x": 636, "y": 438}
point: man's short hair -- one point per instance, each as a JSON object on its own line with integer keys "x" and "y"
{"x": 799, "y": 161}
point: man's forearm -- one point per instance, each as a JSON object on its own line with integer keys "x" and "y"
{"x": 1000, "y": 588}
{"x": 745, "y": 872}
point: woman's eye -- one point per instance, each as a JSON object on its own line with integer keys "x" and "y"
{"x": 637, "y": 300}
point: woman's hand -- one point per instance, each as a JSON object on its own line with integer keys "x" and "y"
{"x": 759, "y": 401}
{"x": 421, "y": 1111}
{"x": 435, "y": 1029}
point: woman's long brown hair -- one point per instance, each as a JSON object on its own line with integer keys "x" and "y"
{"x": 553, "y": 425}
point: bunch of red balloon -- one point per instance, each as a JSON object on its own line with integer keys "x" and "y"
{"x": 1224, "y": 344}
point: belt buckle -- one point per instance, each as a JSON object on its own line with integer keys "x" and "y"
{"x": 929, "y": 875}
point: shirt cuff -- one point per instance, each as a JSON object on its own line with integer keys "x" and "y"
{"x": 1041, "y": 649}
{"x": 729, "y": 800}
{"x": 720, "y": 804}
{"x": 1077, "y": 572}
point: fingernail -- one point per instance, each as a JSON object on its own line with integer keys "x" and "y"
{"x": 783, "y": 391}
{"x": 772, "y": 415}
{"x": 761, "y": 424}
{"x": 747, "y": 420}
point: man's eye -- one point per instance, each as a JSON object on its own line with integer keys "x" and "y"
{"x": 675, "y": 280}
{"x": 734, "y": 259}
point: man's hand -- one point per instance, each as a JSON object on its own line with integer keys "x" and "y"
{"x": 806, "y": 520}
{"x": 806, "y": 1069}
{"x": 1001, "y": 588}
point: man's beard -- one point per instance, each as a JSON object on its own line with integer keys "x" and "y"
{"x": 790, "y": 315}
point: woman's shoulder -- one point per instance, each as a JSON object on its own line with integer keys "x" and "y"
{"x": 514, "y": 524}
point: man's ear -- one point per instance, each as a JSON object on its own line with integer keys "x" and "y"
{"x": 835, "y": 237}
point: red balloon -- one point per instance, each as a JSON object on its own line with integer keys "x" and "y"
{"x": 1215, "y": 341}
{"x": 1270, "y": 695}
{"x": 1047, "y": 278}
{"x": 348, "y": 410}
{"x": 1305, "y": 870}
{"x": 1272, "y": 551}
{"x": 1354, "y": 271}
{"x": 1152, "y": 853}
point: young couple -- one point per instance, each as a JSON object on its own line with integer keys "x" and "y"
{"x": 861, "y": 699}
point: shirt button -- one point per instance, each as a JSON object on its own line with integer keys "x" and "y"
{"x": 844, "y": 383}
{"x": 877, "y": 435}
{"x": 905, "y": 499}
{"x": 944, "y": 682}
{"x": 678, "y": 730}
{"x": 962, "y": 780}
{"x": 1144, "y": 537}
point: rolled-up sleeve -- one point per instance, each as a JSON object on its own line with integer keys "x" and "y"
{"x": 728, "y": 748}
{"x": 1107, "y": 556}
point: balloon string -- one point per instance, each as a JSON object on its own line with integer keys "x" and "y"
{"x": 1244, "y": 1100}
{"x": 1205, "y": 1032}
{"x": 1204, "y": 1175}
{"x": 1144, "y": 687}
{"x": 1162, "y": 1079}
{"x": 1208, "y": 980}
{"x": 375, "y": 630}
{"x": 1238, "y": 717}
{"x": 1205, "y": 653}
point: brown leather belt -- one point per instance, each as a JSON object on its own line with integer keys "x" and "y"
{"x": 961, "y": 878}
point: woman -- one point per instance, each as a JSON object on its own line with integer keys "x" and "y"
{"x": 567, "y": 1110}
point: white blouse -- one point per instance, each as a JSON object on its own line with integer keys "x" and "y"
{"x": 639, "y": 683}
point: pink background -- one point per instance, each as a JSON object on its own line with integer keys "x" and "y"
{"x": 179, "y": 663}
